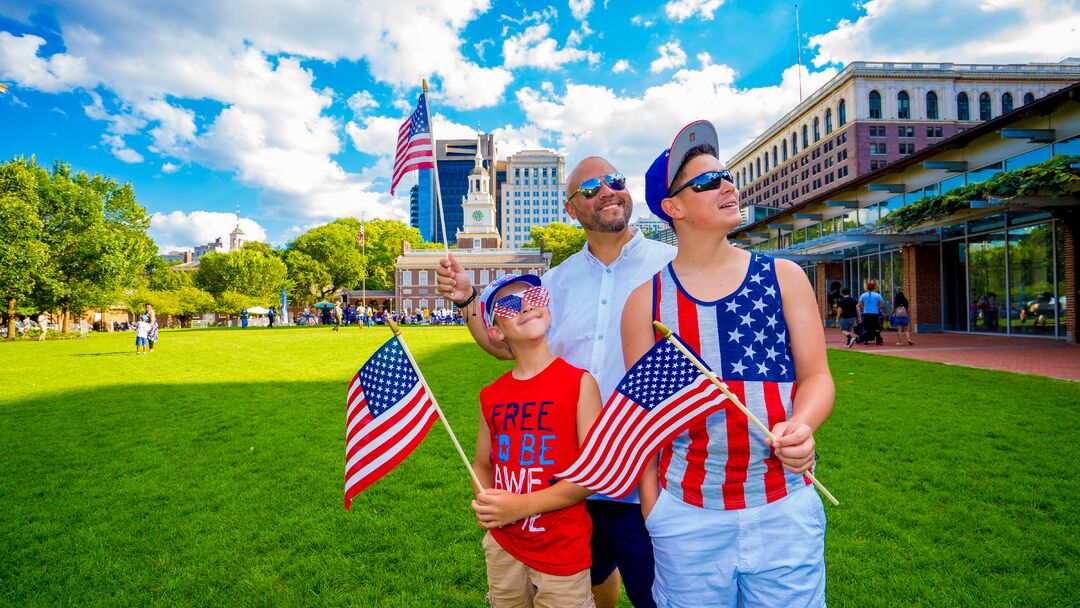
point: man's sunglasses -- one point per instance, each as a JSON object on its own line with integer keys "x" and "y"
{"x": 591, "y": 187}
{"x": 710, "y": 180}
{"x": 510, "y": 306}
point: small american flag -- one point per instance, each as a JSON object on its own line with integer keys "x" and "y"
{"x": 390, "y": 412}
{"x": 657, "y": 399}
{"x": 360, "y": 236}
{"x": 414, "y": 151}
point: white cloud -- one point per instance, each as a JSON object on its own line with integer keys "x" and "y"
{"x": 704, "y": 58}
{"x": 671, "y": 56}
{"x": 480, "y": 47}
{"x": 681, "y": 10}
{"x": 360, "y": 101}
{"x": 119, "y": 149}
{"x": 534, "y": 48}
{"x": 620, "y": 66}
{"x": 548, "y": 13}
{"x": 179, "y": 230}
{"x": 169, "y": 168}
{"x": 991, "y": 31}
{"x": 639, "y": 20}
{"x": 580, "y": 9}
{"x": 20, "y": 62}
{"x": 630, "y": 131}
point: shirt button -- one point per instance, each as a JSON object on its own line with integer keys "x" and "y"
{"x": 609, "y": 271}
{"x": 600, "y": 338}
{"x": 603, "y": 301}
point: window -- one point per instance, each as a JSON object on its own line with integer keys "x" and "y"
{"x": 841, "y": 172}
{"x": 875, "y": 104}
{"x": 783, "y": 147}
{"x": 759, "y": 167}
{"x": 903, "y": 106}
{"x": 517, "y": 171}
{"x": 933, "y": 132}
{"x": 421, "y": 276}
{"x": 878, "y": 149}
{"x": 841, "y": 139}
{"x": 877, "y": 164}
{"x": 805, "y": 139}
{"x": 931, "y": 106}
{"x": 794, "y": 148}
{"x": 817, "y": 130}
{"x": 876, "y": 131}
{"x": 907, "y": 148}
{"x": 963, "y": 110}
{"x": 828, "y": 121}
{"x": 1006, "y": 103}
{"x": 841, "y": 113}
{"x": 406, "y": 277}
{"x": 766, "y": 155}
{"x": 905, "y": 132}
{"x": 984, "y": 106}
{"x": 774, "y": 163}
{"x": 744, "y": 176}
{"x": 1029, "y": 98}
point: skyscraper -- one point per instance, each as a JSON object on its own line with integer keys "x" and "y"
{"x": 455, "y": 161}
{"x": 534, "y": 194}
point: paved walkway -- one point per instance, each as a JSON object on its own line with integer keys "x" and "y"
{"x": 1037, "y": 356}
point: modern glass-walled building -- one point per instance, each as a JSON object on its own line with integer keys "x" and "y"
{"x": 1003, "y": 266}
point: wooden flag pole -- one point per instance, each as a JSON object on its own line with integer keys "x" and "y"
{"x": 416, "y": 368}
{"x": 664, "y": 331}
{"x": 435, "y": 170}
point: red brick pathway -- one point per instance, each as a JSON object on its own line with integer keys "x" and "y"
{"x": 1037, "y": 356}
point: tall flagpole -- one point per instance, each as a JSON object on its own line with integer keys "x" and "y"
{"x": 363, "y": 285}
{"x": 798, "y": 48}
{"x": 453, "y": 438}
{"x": 435, "y": 170}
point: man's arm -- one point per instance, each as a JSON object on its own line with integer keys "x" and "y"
{"x": 496, "y": 508}
{"x": 814, "y": 399}
{"x": 453, "y": 283}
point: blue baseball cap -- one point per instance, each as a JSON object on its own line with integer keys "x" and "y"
{"x": 661, "y": 174}
{"x": 487, "y": 297}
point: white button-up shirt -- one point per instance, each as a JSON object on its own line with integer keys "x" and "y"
{"x": 587, "y": 300}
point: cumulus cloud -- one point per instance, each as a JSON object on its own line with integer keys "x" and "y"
{"x": 704, "y": 58}
{"x": 120, "y": 150}
{"x": 19, "y": 61}
{"x": 639, "y": 20}
{"x": 179, "y": 230}
{"x": 991, "y": 31}
{"x": 620, "y": 66}
{"x": 170, "y": 168}
{"x": 360, "y": 101}
{"x": 631, "y": 130}
{"x": 580, "y": 9}
{"x": 534, "y": 48}
{"x": 671, "y": 56}
{"x": 681, "y": 10}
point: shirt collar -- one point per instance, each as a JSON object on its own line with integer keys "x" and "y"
{"x": 635, "y": 241}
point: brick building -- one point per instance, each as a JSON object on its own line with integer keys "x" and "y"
{"x": 873, "y": 114}
{"x": 1004, "y": 266}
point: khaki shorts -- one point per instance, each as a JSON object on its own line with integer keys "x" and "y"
{"x": 512, "y": 584}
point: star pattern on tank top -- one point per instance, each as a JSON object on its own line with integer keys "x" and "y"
{"x": 753, "y": 336}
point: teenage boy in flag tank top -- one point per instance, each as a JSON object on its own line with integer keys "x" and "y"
{"x": 733, "y": 520}
{"x": 588, "y": 291}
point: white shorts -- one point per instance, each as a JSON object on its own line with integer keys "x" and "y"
{"x": 772, "y": 555}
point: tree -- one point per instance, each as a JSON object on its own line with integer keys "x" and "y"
{"x": 561, "y": 240}
{"x": 96, "y": 234}
{"x": 384, "y": 238}
{"x": 22, "y": 254}
{"x": 161, "y": 277}
{"x": 250, "y": 271}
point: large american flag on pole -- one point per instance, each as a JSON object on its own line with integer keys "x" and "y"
{"x": 389, "y": 413}
{"x": 414, "y": 150}
{"x": 657, "y": 399}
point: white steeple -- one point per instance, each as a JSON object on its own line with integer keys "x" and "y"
{"x": 479, "y": 206}
{"x": 237, "y": 236}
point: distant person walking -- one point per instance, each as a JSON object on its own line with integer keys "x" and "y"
{"x": 152, "y": 334}
{"x": 901, "y": 319}
{"x": 43, "y": 325}
{"x": 871, "y": 308}
{"x": 847, "y": 315}
{"x": 337, "y": 316}
{"x": 243, "y": 319}
{"x": 270, "y": 316}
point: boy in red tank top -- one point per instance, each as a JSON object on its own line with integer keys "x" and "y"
{"x": 532, "y": 422}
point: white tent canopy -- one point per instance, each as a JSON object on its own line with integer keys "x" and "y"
{"x": 258, "y": 310}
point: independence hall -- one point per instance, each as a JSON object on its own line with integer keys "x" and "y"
{"x": 962, "y": 191}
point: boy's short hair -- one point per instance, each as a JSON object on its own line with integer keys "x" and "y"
{"x": 845, "y": 291}
{"x": 691, "y": 154}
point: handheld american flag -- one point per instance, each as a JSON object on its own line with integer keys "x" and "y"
{"x": 414, "y": 145}
{"x": 657, "y": 399}
{"x": 389, "y": 412}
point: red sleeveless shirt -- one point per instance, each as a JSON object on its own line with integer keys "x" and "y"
{"x": 533, "y": 428}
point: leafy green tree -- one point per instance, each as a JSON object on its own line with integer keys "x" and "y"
{"x": 191, "y": 301}
{"x": 384, "y": 238}
{"x": 96, "y": 234}
{"x": 161, "y": 277}
{"x": 325, "y": 260}
{"x": 250, "y": 271}
{"x": 561, "y": 240}
{"x": 231, "y": 303}
{"x": 22, "y": 253}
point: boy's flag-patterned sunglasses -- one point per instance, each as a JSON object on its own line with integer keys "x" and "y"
{"x": 509, "y": 306}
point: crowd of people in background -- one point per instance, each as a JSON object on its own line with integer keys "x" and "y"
{"x": 366, "y": 316}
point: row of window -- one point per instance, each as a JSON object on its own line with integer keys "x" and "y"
{"x": 748, "y": 174}
{"x": 537, "y": 182}
{"x": 536, "y": 194}
{"x": 535, "y": 172}
{"x": 841, "y": 117}
{"x": 963, "y": 106}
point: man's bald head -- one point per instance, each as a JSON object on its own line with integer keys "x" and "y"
{"x": 587, "y": 168}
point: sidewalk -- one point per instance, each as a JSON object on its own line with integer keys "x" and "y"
{"x": 1036, "y": 356}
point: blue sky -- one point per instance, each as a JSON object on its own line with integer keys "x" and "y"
{"x": 289, "y": 112}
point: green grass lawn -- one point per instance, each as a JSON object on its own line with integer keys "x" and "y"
{"x": 210, "y": 473}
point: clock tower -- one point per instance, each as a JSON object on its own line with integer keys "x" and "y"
{"x": 478, "y": 207}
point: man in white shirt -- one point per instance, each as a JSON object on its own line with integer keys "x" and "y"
{"x": 588, "y": 291}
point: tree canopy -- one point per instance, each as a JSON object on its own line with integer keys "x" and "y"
{"x": 561, "y": 240}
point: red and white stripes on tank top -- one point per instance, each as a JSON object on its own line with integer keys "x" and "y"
{"x": 722, "y": 462}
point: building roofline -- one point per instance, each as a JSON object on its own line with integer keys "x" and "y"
{"x": 891, "y": 69}
{"x": 1040, "y": 106}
